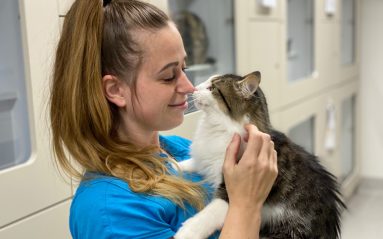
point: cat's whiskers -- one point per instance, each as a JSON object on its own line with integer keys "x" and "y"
{"x": 192, "y": 100}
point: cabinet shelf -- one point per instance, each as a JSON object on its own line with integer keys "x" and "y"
{"x": 7, "y": 101}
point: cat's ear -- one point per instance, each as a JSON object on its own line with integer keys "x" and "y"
{"x": 249, "y": 84}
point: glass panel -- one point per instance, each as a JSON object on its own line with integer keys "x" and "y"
{"x": 300, "y": 39}
{"x": 207, "y": 29}
{"x": 347, "y": 141}
{"x": 348, "y": 32}
{"x": 15, "y": 147}
{"x": 303, "y": 134}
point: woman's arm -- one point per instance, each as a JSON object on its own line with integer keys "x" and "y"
{"x": 248, "y": 183}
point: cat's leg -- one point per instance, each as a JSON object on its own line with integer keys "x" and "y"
{"x": 188, "y": 165}
{"x": 206, "y": 222}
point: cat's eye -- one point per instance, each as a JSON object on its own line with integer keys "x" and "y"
{"x": 211, "y": 88}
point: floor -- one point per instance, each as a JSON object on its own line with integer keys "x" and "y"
{"x": 364, "y": 218}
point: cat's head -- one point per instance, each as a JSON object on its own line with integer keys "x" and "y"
{"x": 234, "y": 98}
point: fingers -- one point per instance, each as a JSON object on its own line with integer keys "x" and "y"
{"x": 275, "y": 162}
{"x": 259, "y": 143}
{"x": 259, "y": 147}
{"x": 267, "y": 145}
{"x": 273, "y": 158}
{"x": 271, "y": 149}
{"x": 272, "y": 152}
{"x": 254, "y": 141}
{"x": 232, "y": 152}
{"x": 249, "y": 128}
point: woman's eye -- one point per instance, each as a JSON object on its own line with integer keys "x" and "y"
{"x": 175, "y": 75}
{"x": 170, "y": 79}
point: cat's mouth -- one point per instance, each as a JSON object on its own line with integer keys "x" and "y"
{"x": 198, "y": 100}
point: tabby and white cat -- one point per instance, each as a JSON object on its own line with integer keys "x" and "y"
{"x": 304, "y": 201}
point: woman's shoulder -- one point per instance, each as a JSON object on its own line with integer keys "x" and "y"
{"x": 106, "y": 205}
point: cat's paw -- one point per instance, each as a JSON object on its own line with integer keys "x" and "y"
{"x": 186, "y": 234}
{"x": 190, "y": 230}
{"x": 187, "y": 165}
{"x": 205, "y": 222}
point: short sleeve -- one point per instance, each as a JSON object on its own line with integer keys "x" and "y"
{"x": 141, "y": 217}
{"x": 108, "y": 209}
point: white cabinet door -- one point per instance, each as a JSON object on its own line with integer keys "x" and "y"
{"x": 32, "y": 185}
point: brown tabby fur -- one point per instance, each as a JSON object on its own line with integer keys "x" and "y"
{"x": 303, "y": 185}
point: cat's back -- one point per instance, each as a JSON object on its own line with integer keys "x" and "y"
{"x": 296, "y": 160}
{"x": 305, "y": 186}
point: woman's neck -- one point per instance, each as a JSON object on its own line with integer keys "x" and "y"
{"x": 138, "y": 137}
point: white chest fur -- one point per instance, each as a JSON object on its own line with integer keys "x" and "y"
{"x": 209, "y": 146}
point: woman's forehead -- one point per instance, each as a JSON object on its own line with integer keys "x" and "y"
{"x": 162, "y": 47}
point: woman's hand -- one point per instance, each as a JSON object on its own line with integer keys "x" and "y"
{"x": 248, "y": 182}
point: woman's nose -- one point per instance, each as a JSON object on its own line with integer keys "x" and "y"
{"x": 184, "y": 85}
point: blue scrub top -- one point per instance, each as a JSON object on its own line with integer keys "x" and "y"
{"x": 105, "y": 207}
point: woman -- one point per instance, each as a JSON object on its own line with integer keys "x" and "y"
{"x": 118, "y": 80}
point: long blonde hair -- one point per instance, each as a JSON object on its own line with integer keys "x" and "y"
{"x": 95, "y": 41}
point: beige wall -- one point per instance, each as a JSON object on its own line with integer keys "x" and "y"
{"x": 372, "y": 88}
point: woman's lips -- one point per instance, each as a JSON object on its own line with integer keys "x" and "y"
{"x": 183, "y": 104}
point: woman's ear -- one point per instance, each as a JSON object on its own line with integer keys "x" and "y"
{"x": 116, "y": 91}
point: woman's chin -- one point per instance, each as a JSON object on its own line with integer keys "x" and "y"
{"x": 173, "y": 123}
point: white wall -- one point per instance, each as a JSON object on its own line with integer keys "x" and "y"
{"x": 372, "y": 88}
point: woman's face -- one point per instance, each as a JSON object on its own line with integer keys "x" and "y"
{"x": 161, "y": 86}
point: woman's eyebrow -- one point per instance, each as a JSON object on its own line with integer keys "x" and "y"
{"x": 171, "y": 64}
